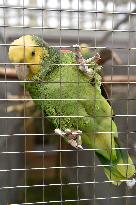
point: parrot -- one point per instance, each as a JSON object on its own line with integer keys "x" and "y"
{"x": 71, "y": 99}
{"x": 85, "y": 50}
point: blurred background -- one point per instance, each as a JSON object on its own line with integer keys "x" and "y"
{"x": 36, "y": 166}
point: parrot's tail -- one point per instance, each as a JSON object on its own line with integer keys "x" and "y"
{"x": 120, "y": 169}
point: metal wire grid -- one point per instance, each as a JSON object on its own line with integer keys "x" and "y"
{"x": 69, "y": 13}
{"x": 78, "y": 26}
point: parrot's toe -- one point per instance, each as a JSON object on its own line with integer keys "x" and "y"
{"x": 131, "y": 183}
{"x": 73, "y": 138}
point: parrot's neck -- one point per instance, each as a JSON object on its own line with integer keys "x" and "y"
{"x": 50, "y": 63}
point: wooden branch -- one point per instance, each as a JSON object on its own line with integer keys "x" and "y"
{"x": 20, "y": 97}
{"x": 108, "y": 79}
{"x": 29, "y": 121}
{"x": 8, "y": 72}
{"x": 20, "y": 107}
{"x": 107, "y": 54}
{"x": 119, "y": 79}
{"x": 116, "y": 58}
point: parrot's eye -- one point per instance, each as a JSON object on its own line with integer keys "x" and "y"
{"x": 33, "y": 53}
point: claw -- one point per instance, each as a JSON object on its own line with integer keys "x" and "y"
{"x": 131, "y": 183}
{"x": 73, "y": 138}
{"x": 83, "y": 63}
{"x": 94, "y": 58}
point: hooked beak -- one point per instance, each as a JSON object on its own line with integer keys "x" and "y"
{"x": 22, "y": 71}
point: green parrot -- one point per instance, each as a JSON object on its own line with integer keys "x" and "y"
{"x": 71, "y": 98}
{"x": 85, "y": 50}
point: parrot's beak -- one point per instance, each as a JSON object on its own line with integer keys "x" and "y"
{"x": 22, "y": 71}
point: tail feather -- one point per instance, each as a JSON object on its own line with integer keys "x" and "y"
{"x": 120, "y": 169}
{"x": 118, "y": 165}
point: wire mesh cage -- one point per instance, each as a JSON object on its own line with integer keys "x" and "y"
{"x": 37, "y": 166}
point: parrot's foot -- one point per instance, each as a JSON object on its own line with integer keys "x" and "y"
{"x": 83, "y": 63}
{"x": 80, "y": 60}
{"x": 131, "y": 183}
{"x": 94, "y": 58}
{"x": 73, "y": 138}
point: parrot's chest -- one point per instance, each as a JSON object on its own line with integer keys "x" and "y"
{"x": 65, "y": 93}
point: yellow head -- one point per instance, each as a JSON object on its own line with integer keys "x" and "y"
{"x": 25, "y": 50}
{"x": 85, "y": 50}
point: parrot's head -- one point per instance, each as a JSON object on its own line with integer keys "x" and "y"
{"x": 85, "y": 50}
{"x": 27, "y": 53}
